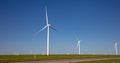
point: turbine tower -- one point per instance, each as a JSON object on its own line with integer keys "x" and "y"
{"x": 48, "y": 26}
{"x": 78, "y": 47}
{"x": 116, "y": 49}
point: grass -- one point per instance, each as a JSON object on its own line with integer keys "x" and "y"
{"x": 18, "y": 58}
{"x": 102, "y": 61}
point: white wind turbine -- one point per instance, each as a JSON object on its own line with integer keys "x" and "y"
{"x": 48, "y": 26}
{"x": 78, "y": 46}
{"x": 116, "y": 48}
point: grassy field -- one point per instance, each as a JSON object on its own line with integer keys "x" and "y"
{"x": 14, "y": 58}
{"x": 102, "y": 61}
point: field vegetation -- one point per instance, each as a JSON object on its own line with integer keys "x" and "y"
{"x": 18, "y": 58}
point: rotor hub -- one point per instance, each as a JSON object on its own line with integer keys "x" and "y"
{"x": 49, "y": 24}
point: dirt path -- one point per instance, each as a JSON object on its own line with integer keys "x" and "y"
{"x": 68, "y": 60}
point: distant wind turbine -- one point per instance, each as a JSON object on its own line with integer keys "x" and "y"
{"x": 17, "y": 53}
{"x": 48, "y": 26}
{"x": 116, "y": 48}
{"x": 78, "y": 46}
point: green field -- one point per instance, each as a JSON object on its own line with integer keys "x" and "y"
{"x": 102, "y": 61}
{"x": 14, "y": 58}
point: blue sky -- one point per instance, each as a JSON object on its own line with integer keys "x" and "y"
{"x": 95, "y": 22}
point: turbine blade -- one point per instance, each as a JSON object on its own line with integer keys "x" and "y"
{"x": 53, "y": 28}
{"x": 42, "y": 29}
{"x": 46, "y": 15}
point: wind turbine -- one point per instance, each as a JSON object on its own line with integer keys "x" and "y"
{"x": 78, "y": 46}
{"x": 48, "y": 26}
{"x": 116, "y": 49}
{"x": 16, "y": 53}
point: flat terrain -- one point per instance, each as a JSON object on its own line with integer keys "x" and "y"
{"x": 69, "y": 60}
{"x": 53, "y": 58}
